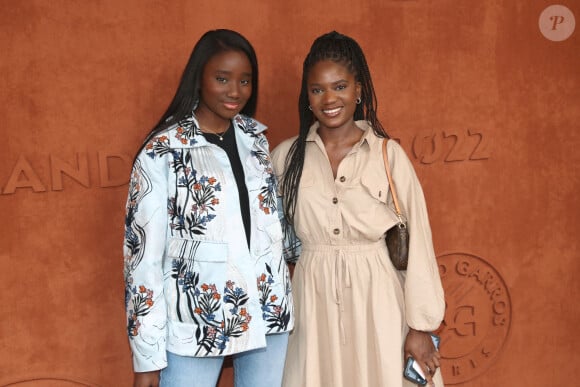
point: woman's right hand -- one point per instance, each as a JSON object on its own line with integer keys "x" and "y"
{"x": 146, "y": 379}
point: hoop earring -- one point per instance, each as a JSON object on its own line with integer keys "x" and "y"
{"x": 309, "y": 107}
{"x": 358, "y": 101}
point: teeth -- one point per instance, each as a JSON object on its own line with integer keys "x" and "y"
{"x": 331, "y": 111}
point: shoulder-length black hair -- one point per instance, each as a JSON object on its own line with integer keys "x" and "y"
{"x": 188, "y": 92}
{"x": 341, "y": 49}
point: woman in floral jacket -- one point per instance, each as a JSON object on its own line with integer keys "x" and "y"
{"x": 204, "y": 271}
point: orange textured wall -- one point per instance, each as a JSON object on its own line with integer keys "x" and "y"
{"x": 486, "y": 106}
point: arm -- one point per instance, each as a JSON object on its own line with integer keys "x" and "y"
{"x": 146, "y": 379}
{"x": 144, "y": 248}
{"x": 424, "y": 298}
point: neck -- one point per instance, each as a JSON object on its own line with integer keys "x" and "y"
{"x": 347, "y": 134}
{"x": 211, "y": 123}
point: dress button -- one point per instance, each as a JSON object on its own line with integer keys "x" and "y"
{"x": 336, "y": 231}
{"x": 342, "y": 179}
{"x": 334, "y": 200}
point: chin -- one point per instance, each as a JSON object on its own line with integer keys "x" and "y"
{"x": 229, "y": 115}
{"x": 331, "y": 124}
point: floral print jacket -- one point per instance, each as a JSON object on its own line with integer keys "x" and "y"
{"x": 192, "y": 285}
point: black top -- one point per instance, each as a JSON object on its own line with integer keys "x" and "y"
{"x": 229, "y": 145}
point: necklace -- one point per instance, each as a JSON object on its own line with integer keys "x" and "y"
{"x": 219, "y": 135}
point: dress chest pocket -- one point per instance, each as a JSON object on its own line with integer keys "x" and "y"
{"x": 376, "y": 186}
{"x": 377, "y": 208}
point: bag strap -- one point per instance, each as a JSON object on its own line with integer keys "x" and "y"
{"x": 391, "y": 184}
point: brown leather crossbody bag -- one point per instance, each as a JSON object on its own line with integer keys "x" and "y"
{"x": 397, "y": 237}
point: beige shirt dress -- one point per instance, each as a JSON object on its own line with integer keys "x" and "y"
{"x": 353, "y": 308}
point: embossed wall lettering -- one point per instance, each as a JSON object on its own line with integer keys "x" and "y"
{"x": 103, "y": 169}
{"x": 477, "y": 316}
{"x": 430, "y": 146}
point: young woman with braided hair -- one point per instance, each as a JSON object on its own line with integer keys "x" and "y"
{"x": 357, "y": 317}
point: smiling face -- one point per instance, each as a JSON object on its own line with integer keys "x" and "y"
{"x": 332, "y": 93}
{"x": 226, "y": 87}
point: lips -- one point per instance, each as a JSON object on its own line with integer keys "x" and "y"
{"x": 332, "y": 112}
{"x": 232, "y": 105}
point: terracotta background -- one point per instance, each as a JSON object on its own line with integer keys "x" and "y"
{"x": 487, "y": 108}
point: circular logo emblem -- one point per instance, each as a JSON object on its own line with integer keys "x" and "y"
{"x": 477, "y": 316}
{"x": 557, "y": 23}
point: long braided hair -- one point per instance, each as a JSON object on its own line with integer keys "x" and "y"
{"x": 341, "y": 49}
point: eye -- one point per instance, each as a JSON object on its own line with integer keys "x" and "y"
{"x": 341, "y": 87}
{"x": 221, "y": 79}
{"x": 316, "y": 90}
{"x": 245, "y": 82}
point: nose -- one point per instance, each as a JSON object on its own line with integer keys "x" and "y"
{"x": 328, "y": 97}
{"x": 234, "y": 90}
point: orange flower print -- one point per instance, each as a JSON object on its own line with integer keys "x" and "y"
{"x": 142, "y": 289}
{"x": 204, "y": 287}
{"x": 266, "y": 210}
{"x": 184, "y": 141}
{"x": 273, "y": 298}
{"x": 263, "y": 277}
{"x": 197, "y": 310}
{"x": 211, "y": 180}
{"x": 243, "y": 312}
{"x": 180, "y": 130}
{"x": 216, "y": 296}
{"x": 149, "y": 302}
{"x": 244, "y": 326}
{"x": 197, "y": 186}
{"x": 149, "y": 146}
{"x": 215, "y": 201}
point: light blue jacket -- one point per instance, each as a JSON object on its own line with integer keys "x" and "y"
{"x": 192, "y": 285}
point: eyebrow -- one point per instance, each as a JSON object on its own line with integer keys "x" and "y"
{"x": 229, "y": 72}
{"x": 333, "y": 83}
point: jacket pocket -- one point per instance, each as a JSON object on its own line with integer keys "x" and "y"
{"x": 195, "y": 276}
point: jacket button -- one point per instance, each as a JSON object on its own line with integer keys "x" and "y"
{"x": 336, "y": 231}
{"x": 342, "y": 179}
{"x": 334, "y": 200}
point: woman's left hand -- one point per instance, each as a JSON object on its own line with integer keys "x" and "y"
{"x": 419, "y": 345}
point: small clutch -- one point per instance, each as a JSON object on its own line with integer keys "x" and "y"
{"x": 413, "y": 371}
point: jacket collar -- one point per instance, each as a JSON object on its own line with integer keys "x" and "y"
{"x": 187, "y": 134}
